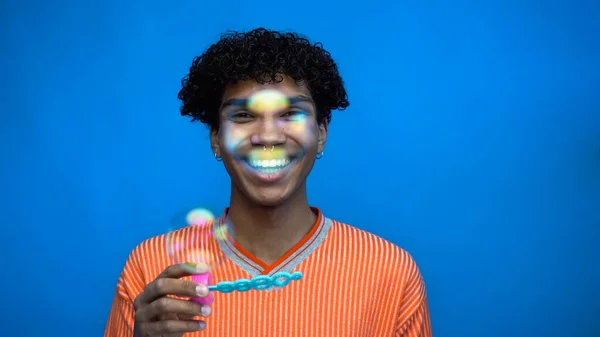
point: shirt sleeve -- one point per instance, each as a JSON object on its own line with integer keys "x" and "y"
{"x": 413, "y": 316}
{"x": 129, "y": 285}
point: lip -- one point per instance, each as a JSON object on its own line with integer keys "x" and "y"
{"x": 269, "y": 178}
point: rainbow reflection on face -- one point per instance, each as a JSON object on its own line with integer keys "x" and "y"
{"x": 268, "y": 100}
{"x": 283, "y": 117}
{"x": 287, "y": 117}
{"x": 268, "y": 161}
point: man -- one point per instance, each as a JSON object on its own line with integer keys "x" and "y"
{"x": 354, "y": 283}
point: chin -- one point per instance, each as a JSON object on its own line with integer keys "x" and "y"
{"x": 272, "y": 202}
{"x": 264, "y": 198}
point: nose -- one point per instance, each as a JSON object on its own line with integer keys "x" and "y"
{"x": 268, "y": 134}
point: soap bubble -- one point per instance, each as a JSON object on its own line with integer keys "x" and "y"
{"x": 199, "y": 216}
{"x": 198, "y": 242}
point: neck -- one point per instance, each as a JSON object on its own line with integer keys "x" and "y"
{"x": 270, "y": 232}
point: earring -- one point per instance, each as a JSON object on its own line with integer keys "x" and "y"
{"x": 320, "y": 155}
{"x": 218, "y": 158}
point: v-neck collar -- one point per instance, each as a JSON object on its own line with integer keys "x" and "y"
{"x": 288, "y": 261}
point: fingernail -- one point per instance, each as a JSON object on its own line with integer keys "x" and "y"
{"x": 201, "y": 268}
{"x": 206, "y": 311}
{"x": 202, "y": 325}
{"x": 189, "y": 267}
{"x": 202, "y": 290}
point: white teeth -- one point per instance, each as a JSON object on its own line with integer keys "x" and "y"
{"x": 272, "y": 163}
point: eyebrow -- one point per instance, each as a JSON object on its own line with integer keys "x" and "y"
{"x": 242, "y": 102}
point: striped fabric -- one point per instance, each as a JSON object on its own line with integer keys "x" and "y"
{"x": 354, "y": 284}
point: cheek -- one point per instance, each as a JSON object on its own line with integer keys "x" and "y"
{"x": 298, "y": 127}
{"x": 304, "y": 131}
{"x": 232, "y": 138}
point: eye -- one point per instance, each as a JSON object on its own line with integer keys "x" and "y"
{"x": 295, "y": 115}
{"x": 241, "y": 117}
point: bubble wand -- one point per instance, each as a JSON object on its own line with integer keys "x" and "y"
{"x": 260, "y": 282}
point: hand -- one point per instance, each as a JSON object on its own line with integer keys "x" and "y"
{"x": 159, "y": 315}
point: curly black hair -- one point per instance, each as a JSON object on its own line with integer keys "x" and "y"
{"x": 260, "y": 55}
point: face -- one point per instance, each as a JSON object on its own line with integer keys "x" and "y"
{"x": 268, "y": 139}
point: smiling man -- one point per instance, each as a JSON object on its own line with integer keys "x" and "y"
{"x": 267, "y": 98}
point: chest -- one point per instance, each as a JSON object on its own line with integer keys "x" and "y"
{"x": 316, "y": 306}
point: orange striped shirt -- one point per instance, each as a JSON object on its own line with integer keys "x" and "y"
{"x": 354, "y": 284}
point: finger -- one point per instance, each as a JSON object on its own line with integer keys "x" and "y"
{"x": 184, "y": 269}
{"x": 206, "y": 312}
{"x": 162, "y": 287}
{"x": 171, "y": 327}
{"x": 166, "y": 305}
{"x": 173, "y": 271}
{"x": 184, "y": 317}
{"x": 168, "y": 317}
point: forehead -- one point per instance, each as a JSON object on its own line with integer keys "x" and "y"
{"x": 245, "y": 89}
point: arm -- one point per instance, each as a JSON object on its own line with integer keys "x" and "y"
{"x": 122, "y": 313}
{"x": 120, "y": 319}
{"x": 413, "y": 318}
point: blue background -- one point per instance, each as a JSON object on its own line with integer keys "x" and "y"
{"x": 472, "y": 140}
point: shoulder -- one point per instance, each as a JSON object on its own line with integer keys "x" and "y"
{"x": 377, "y": 253}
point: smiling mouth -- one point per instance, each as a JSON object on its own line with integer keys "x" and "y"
{"x": 269, "y": 166}
{"x": 269, "y": 163}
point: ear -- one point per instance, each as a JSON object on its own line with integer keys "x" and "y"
{"x": 323, "y": 129}
{"x": 215, "y": 142}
